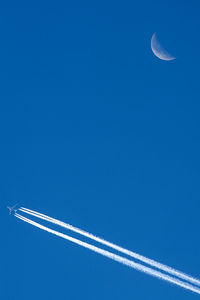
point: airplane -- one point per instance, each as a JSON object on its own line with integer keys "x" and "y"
{"x": 11, "y": 209}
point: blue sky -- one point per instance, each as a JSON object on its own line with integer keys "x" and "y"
{"x": 98, "y": 132}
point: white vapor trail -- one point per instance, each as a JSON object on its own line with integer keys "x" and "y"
{"x": 135, "y": 255}
{"x": 115, "y": 257}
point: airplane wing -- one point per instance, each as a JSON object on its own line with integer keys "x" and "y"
{"x": 14, "y": 206}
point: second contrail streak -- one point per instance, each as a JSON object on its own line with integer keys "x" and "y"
{"x": 115, "y": 257}
{"x": 135, "y": 255}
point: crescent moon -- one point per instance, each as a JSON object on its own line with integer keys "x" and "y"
{"x": 158, "y": 50}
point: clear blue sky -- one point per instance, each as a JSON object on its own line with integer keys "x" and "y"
{"x": 98, "y": 132}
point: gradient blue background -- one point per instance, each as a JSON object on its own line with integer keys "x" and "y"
{"x": 98, "y": 132}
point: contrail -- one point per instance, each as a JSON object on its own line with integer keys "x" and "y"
{"x": 115, "y": 257}
{"x": 135, "y": 255}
